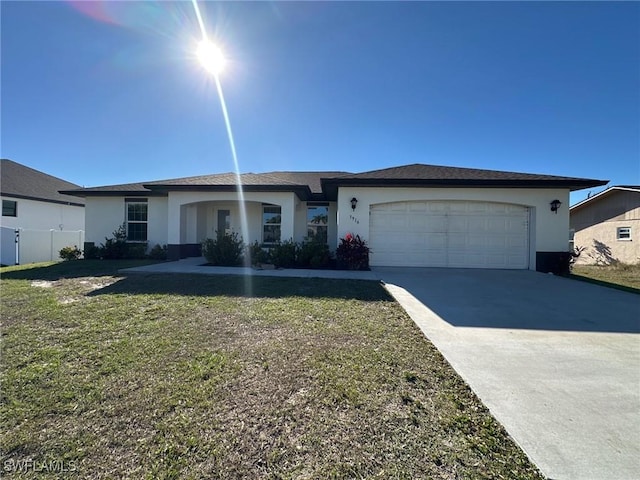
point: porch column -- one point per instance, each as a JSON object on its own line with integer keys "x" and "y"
{"x": 287, "y": 211}
{"x": 173, "y": 229}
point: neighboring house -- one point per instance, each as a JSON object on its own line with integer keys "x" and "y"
{"x": 607, "y": 226}
{"x": 413, "y": 215}
{"x": 31, "y": 202}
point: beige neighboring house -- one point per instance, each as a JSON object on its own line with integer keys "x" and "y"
{"x": 607, "y": 225}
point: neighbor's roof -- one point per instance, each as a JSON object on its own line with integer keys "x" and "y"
{"x": 606, "y": 193}
{"x": 324, "y": 185}
{"x": 19, "y": 181}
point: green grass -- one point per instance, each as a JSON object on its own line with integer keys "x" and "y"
{"x": 178, "y": 376}
{"x": 622, "y": 276}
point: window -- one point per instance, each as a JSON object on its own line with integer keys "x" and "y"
{"x": 624, "y": 233}
{"x": 271, "y": 221}
{"x": 9, "y": 208}
{"x": 572, "y": 235}
{"x": 137, "y": 214}
{"x": 317, "y": 219}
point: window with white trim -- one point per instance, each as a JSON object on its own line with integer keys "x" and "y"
{"x": 9, "y": 208}
{"x": 271, "y": 223}
{"x": 137, "y": 210}
{"x": 624, "y": 233}
{"x": 317, "y": 220}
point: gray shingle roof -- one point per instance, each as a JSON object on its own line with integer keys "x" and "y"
{"x": 436, "y": 175}
{"x": 20, "y": 181}
{"x": 316, "y": 185}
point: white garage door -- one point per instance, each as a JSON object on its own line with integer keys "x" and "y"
{"x": 449, "y": 234}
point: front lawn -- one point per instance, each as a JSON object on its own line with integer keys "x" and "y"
{"x": 611, "y": 275}
{"x": 180, "y": 376}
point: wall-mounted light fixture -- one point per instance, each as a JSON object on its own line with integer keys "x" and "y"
{"x": 555, "y": 205}
{"x": 354, "y": 202}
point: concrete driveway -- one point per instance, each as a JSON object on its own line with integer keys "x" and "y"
{"x": 556, "y": 361}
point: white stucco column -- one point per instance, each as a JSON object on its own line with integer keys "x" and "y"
{"x": 287, "y": 210}
{"x": 173, "y": 221}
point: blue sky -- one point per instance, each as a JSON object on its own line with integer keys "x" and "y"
{"x": 111, "y": 92}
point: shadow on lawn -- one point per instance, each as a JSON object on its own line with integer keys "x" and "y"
{"x": 71, "y": 269}
{"x": 241, "y": 286}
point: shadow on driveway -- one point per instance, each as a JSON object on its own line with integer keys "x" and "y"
{"x": 517, "y": 299}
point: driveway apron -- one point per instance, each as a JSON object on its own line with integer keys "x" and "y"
{"x": 556, "y": 360}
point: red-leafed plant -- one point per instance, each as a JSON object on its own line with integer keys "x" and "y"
{"x": 352, "y": 253}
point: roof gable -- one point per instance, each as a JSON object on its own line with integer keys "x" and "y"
{"x": 592, "y": 200}
{"x": 20, "y": 181}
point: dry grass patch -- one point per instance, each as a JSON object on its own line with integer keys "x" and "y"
{"x": 171, "y": 376}
{"x": 620, "y": 274}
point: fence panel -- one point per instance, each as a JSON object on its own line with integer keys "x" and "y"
{"x": 7, "y": 246}
{"x": 45, "y": 245}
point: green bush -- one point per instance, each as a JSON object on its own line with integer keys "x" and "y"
{"x": 352, "y": 253}
{"x": 257, "y": 255}
{"x": 159, "y": 252}
{"x": 117, "y": 247}
{"x": 226, "y": 250}
{"x": 313, "y": 253}
{"x": 283, "y": 254}
{"x": 70, "y": 253}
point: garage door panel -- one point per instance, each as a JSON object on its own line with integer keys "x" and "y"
{"x": 450, "y": 234}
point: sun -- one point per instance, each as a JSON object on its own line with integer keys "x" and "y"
{"x": 210, "y": 57}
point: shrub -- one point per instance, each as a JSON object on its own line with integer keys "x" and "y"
{"x": 92, "y": 252}
{"x": 226, "y": 250}
{"x": 352, "y": 253}
{"x": 283, "y": 254}
{"x": 70, "y": 253}
{"x": 116, "y": 247}
{"x": 158, "y": 252}
{"x": 313, "y": 253}
{"x": 257, "y": 255}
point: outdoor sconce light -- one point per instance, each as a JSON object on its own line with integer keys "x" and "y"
{"x": 354, "y": 202}
{"x": 555, "y": 205}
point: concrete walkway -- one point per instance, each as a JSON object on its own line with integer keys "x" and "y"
{"x": 556, "y": 361}
{"x": 197, "y": 265}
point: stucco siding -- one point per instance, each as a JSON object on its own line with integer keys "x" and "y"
{"x": 549, "y": 231}
{"x": 36, "y": 215}
{"x": 595, "y": 227}
{"x": 103, "y": 215}
{"x": 180, "y": 203}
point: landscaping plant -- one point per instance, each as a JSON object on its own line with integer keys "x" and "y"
{"x": 352, "y": 253}
{"x": 225, "y": 250}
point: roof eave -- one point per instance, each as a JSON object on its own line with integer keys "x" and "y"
{"x": 302, "y": 191}
{"x": 41, "y": 199}
{"x": 600, "y": 195}
{"x": 331, "y": 184}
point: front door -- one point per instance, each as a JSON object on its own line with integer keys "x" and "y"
{"x": 224, "y": 222}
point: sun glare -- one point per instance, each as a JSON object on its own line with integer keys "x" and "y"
{"x": 210, "y": 57}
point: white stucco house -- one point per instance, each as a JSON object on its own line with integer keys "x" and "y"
{"x": 412, "y": 215}
{"x": 31, "y": 199}
{"x": 32, "y": 204}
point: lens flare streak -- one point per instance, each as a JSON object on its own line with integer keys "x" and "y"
{"x": 244, "y": 226}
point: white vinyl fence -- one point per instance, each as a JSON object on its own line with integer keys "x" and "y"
{"x": 8, "y": 246}
{"x": 37, "y": 245}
